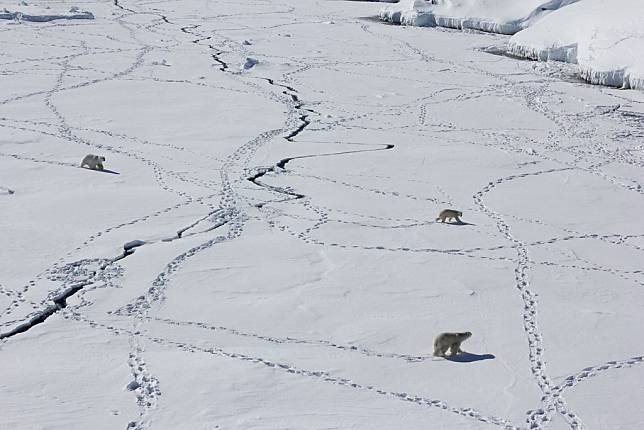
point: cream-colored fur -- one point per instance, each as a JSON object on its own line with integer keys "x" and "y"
{"x": 447, "y": 214}
{"x": 94, "y": 162}
{"x": 451, "y": 341}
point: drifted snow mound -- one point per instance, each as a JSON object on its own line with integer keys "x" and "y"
{"x": 605, "y": 38}
{"x": 40, "y": 11}
{"x": 495, "y": 16}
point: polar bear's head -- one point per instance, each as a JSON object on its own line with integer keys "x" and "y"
{"x": 465, "y": 335}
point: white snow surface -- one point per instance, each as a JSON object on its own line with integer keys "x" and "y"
{"x": 261, "y": 251}
{"x": 496, "y": 16}
{"x": 606, "y": 40}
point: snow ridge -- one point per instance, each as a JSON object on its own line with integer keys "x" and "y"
{"x": 604, "y": 39}
{"x": 44, "y": 16}
{"x": 500, "y": 16}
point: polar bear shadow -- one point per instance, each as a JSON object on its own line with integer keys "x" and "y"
{"x": 468, "y": 357}
{"x": 95, "y": 163}
{"x": 103, "y": 171}
{"x": 456, "y": 223}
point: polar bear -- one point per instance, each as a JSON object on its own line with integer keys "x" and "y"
{"x": 450, "y": 214}
{"x": 449, "y": 340}
{"x": 94, "y": 162}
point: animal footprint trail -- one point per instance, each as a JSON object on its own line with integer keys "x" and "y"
{"x": 374, "y": 217}
{"x": 372, "y": 190}
{"x": 376, "y": 226}
{"x": 66, "y": 131}
{"x": 291, "y": 340}
{"x": 72, "y": 277}
{"x": 145, "y": 218}
{"x": 36, "y": 160}
{"x": 325, "y": 377}
{"x": 280, "y": 167}
{"x": 552, "y": 401}
{"x": 592, "y": 371}
{"x": 7, "y": 291}
{"x": 55, "y": 267}
{"x": 312, "y": 375}
{"x": 228, "y": 215}
{"x": 145, "y": 385}
{"x": 614, "y": 238}
{"x": 160, "y": 179}
{"x": 160, "y": 174}
{"x": 233, "y": 183}
{"x": 323, "y": 218}
{"x": 570, "y": 128}
{"x": 156, "y": 292}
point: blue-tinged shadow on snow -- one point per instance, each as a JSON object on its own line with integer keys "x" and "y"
{"x": 112, "y": 172}
{"x": 468, "y": 357}
{"x": 107, "y": 171}
{"x": 456, "y": 223}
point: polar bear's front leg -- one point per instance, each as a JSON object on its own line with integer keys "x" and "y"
{"x": 455, "y": 348}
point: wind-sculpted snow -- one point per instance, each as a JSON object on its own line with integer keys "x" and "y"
{"x": 19, "y": 16}
{"x": 262, "y": 249}
{"x": 605, "y": 40}
{"x": 41, "y": 12}
{"x": 494, "y": 16}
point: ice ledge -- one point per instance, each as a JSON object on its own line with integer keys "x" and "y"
{"x": 620, "y": 78}
{"x": 463, "y": 15}
{"x": 425, "y": 19}
{"x": 20, "y": 16}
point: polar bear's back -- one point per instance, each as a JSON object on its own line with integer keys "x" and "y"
{"x": 449, "y": 338}
{"x": 89, "y": 158}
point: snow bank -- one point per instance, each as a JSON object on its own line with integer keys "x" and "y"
{"x": 23, "y": 11}
{"x": 496, "y": 16}
{"x": 606, "y": 40}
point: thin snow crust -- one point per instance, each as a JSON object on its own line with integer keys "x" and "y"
{"x": 495, "y": 16}
{"x": 605, "y": 39}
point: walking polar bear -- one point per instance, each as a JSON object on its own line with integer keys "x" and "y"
{"x": 447, "y": 214}
{"x": 451, "y": 341}
{"x": 94, "y": 162}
